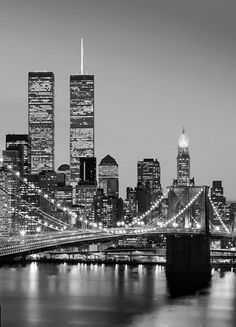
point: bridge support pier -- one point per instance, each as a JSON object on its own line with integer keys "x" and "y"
{"x": 188, "y": 261}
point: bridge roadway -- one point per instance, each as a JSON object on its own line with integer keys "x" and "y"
{"x": 17, "y": 246}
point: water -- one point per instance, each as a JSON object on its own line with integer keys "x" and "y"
{"x": 42, "y": 295}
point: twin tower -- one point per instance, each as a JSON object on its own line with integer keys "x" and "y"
{"x": 41, "y": 124}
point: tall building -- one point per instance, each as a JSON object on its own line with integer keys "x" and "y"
{"x": 183, "y": 161}
{"x": 41, "y": 121}
{"x": 81, "y": 119}
{"x": 149, "y": 173}
{"x": 20, "y": 143}
{"x": 108, "y": 176}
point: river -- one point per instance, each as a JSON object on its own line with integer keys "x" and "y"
{"x": 50, "y": 295}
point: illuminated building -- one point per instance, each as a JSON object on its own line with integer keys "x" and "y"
{"x": 84, "y": 198}
{"x": 12, "y": 158}
{"x": 6, "y": 216}
{"x": 20, "y": 143}
{"x": 149, "y": 175}
{"x": 183, "y": 161}
{"x": 217, "y": 196}
{"x": 130, "y": 205}
{"x": 106, "y": 209}
{"x": 41, "y": 121}
{"x": 81, "y": 119}
{"x": 108, "y": 176}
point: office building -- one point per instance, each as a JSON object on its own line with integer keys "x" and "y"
{"x": 81, "y": 119}
{"x": 149, "y": 175}
{"x": 41, "y": 121}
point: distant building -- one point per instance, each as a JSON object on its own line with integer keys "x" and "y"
{"x": 183, "y": 160}
{"x": 106, "y": 209}
{"x": 130, "y": 205}
{"x": 41, "y": 121}
{"x": 20, "y": 142}
{"x": 108, "y": 176}
{"x": 217, "y": 196}
{"x": 149, "y": 176}
{"x": 12, "y": 158}
{"x": 65, "y": 169}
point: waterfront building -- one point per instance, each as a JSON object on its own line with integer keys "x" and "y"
{"x": 183, "y": 160}
{"x": 41, "y": 121}
{"x": 20, "y": 142}
{"x": 108, "y": 176}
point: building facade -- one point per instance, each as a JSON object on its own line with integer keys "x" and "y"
{"x": 41, "y": 121}
{"x": 183, "y": 161}
{"x": 108, "y": 178}
{"x": 81, "y": 122}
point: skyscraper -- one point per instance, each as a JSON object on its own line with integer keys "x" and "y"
{"x": 183, "y": 161}
{"x": 108, "y": 176}
{"x": 149, "y": 171}
{"x": 81, "y": 120}
{"x": 41, "y": 121}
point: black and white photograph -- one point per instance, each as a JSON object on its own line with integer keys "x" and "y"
{"x": 117, "y": 163}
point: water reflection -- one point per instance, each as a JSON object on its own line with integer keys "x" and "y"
{"x": 118, "y": 295}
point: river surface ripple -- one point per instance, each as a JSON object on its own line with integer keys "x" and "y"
{"x": 50, "y": 295}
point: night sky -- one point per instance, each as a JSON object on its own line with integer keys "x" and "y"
{"x": 159, "y": 65}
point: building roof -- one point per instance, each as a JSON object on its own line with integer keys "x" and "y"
{"x": 108, "y": 160}
{"x": 64, "y": 167}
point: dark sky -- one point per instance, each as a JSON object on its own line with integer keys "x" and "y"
{"x": 159, "y": 65}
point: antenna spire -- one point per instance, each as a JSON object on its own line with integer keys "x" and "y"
{"x": 82, "y": 56}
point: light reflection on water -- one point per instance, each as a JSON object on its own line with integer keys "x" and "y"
{"x": 98, "y": 295}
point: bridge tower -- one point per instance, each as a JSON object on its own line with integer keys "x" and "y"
{"x": 188, "y": 250}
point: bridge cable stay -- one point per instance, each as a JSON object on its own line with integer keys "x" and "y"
{"x": 188, "y": 205}
{"x": 139, "y": 219}
{"x": 218, "y": 215}
{"x": 38, "y": 191}
{"x": 49, "y": 217}
{"x": 156, "y": 221}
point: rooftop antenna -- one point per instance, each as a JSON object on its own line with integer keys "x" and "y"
{"x": 82, "y": 56}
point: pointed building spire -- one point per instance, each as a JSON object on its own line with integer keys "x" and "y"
{"x": 82, "y": 56}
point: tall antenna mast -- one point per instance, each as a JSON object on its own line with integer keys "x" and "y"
{"x": 82, "y": 57}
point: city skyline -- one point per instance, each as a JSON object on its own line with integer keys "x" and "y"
{"x": 148, "y": 85}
